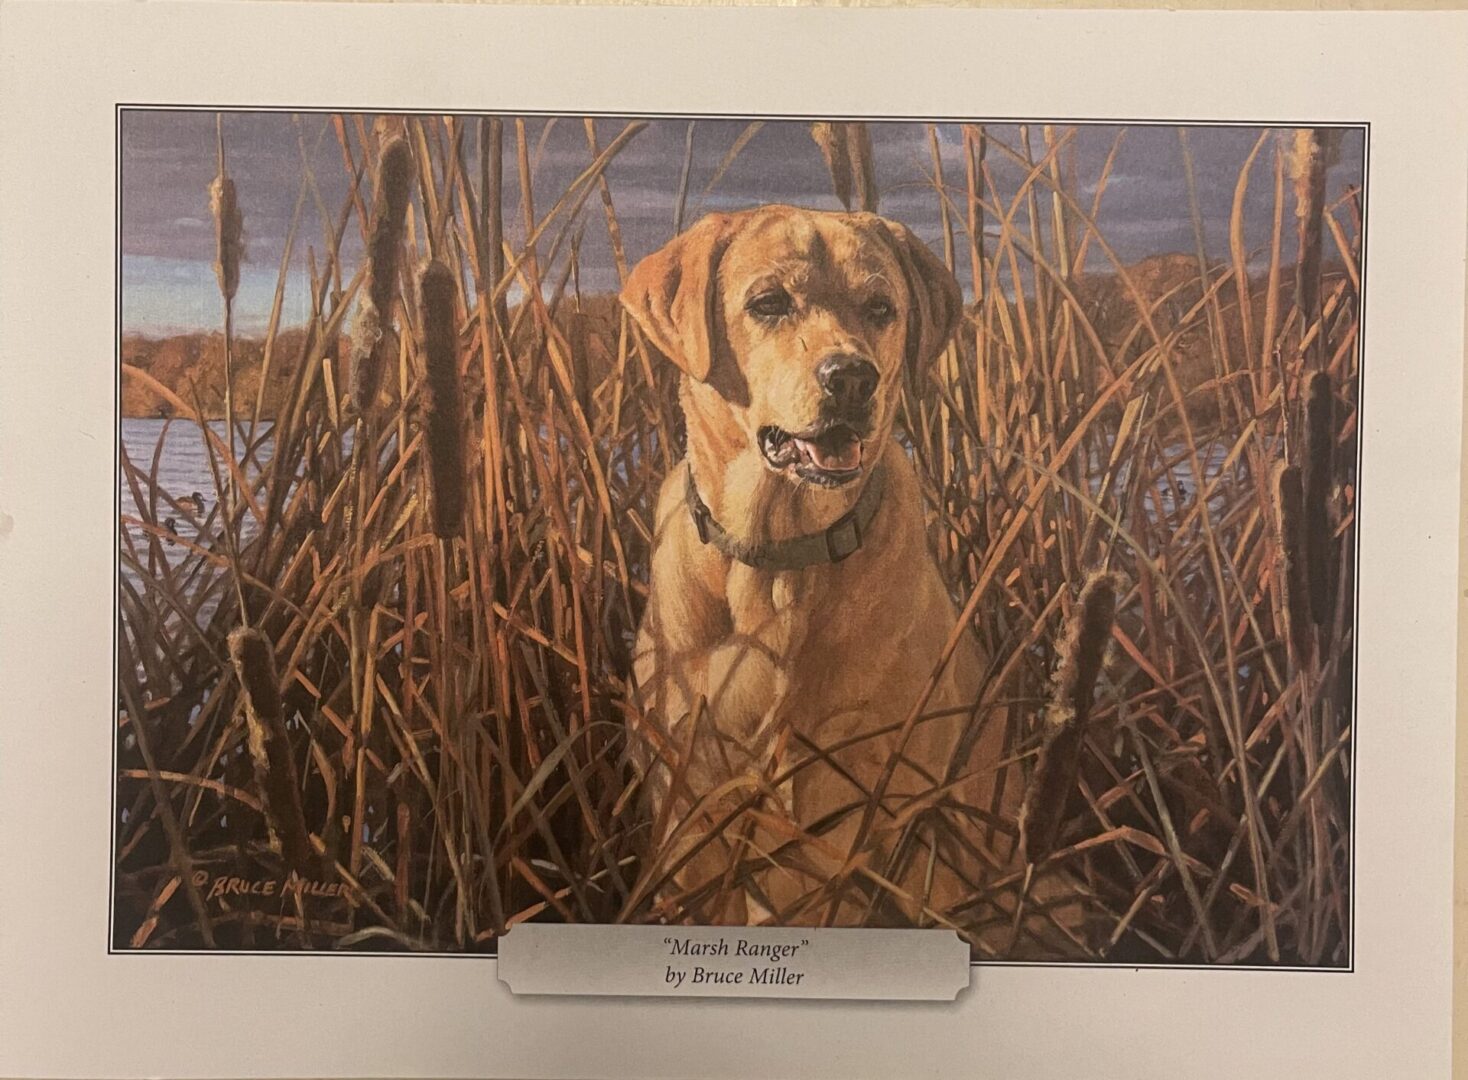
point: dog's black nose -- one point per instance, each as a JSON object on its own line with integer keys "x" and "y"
{"x": 849, "y": 380}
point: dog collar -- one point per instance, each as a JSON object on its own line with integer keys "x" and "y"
{"x": 842, "y": 539}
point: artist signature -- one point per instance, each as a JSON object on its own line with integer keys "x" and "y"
{"x": 222, "y": 886}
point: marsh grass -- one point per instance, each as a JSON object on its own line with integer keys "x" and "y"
{"x": 443, "y": 574}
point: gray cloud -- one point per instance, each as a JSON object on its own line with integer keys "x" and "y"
{"x": 168, "y": 159}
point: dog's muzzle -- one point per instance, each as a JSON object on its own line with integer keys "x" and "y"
{"x": 829, "y": 454}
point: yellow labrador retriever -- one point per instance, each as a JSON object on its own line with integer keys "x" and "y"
{"x": 795, "y": 616}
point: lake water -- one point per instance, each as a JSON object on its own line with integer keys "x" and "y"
{"x": 183, "y": 469}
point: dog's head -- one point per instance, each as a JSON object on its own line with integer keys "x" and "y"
{"x": 800, "y": 323}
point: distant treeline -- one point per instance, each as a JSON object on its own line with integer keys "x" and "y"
{"x": 192, "y": 365}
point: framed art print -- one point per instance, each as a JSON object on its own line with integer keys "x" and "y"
{"x": 529, "y": 531}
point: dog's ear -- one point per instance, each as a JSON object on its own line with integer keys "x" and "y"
{"x": 934, "y": 297}
{"x": 673, "y": 294}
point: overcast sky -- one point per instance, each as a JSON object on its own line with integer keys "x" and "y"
{"x": 168, "y": 159}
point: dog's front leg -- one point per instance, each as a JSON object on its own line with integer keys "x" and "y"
{"x": 749, "y": 678}
{"x": 749, "y": 672}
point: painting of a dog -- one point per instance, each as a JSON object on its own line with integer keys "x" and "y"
{"x": 794, "y": 607}
{"x": 733, "y": 520}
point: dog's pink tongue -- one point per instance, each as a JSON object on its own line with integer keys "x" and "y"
{"x": 833, "y": 456}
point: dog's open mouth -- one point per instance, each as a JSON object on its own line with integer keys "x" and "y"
{"x": 829, "y": 454}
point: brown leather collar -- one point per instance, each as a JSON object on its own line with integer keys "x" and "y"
{"x": 842, "y": 539}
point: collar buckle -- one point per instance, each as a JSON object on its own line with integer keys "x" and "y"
{"x": 843, "y": 538}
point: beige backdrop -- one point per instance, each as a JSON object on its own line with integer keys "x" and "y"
{"x": 66, "y": 1009}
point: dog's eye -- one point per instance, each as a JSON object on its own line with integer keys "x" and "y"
{"x": 879, "y": 310}
{"x": 771, "y": 304}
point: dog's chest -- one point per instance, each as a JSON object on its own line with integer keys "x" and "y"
{"x": 815, "y": 625}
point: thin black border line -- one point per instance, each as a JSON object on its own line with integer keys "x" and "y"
{"x": 116, "y": 524}
{"x": 120, "y": 108}
{"x": 1356, "y": 532}
{"x": 644, "y": 114}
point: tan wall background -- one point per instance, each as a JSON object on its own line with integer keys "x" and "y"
{"x": 1460, "y": 897}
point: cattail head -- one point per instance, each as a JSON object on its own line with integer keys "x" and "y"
{"x": 1307, "y": 158}
{"x": 373, "y": 337}
{"x": 1303, "y": 161}
{"x": 254, "y": 663}
{"x": 1309, "y": 152}
{"x": 389, "y": 126}
{"x": 443, "y": 431}
{"x": 847, "y": 148}
{"x": 1319, "y": 480}
{"x": 373, "y": 343}
{"x": 389, "y": 216}
{"x": 831, "y": 138}
{"x": 229, "y": 233}
{"x": 1288, "y": 500}
{"x": 269, "y": 745}
{"x": 1081, "y": 653}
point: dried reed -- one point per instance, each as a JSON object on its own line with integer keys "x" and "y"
{"x": 270, "y": 748}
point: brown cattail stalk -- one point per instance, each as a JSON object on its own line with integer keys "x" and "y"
{"x": 373, "y": 339}
{"x": 443, "y": 431}
{"x": 229, "y": 230}
{"x": 492, "y": 132}
{"x": 1288, "y": 515}
{"x": 680, "y": 204}
{"x": 863, "y": 169}
{"x": 1310, "y": 154}
{"x": 976, "y": 145}
{"x": 275, "y": 768}
{"x": 229, "y": 252}
{"x": 1081, "y": 652}
{"x": 1318, "y": 481}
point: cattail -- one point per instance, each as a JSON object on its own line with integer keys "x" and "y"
{"x": 229, "y": 233}
{"x": 229, "y": 224}
{"x": 389, "y": 126}
{"x": 372, "y": 344}
{"x": 389, "y": 216}
{"x": 443, "y": 432}
{"x": 372, "y": 335}
{"x": 847, "y": 149}
{"x": 1311, "y": 151}
{"x": 275, "y": 768}
{"x": 1081, "y": 653}
{"x": 1319, "y": 479}
{"x": 1288, "y": 501}
{"x": 831, "y": 138}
